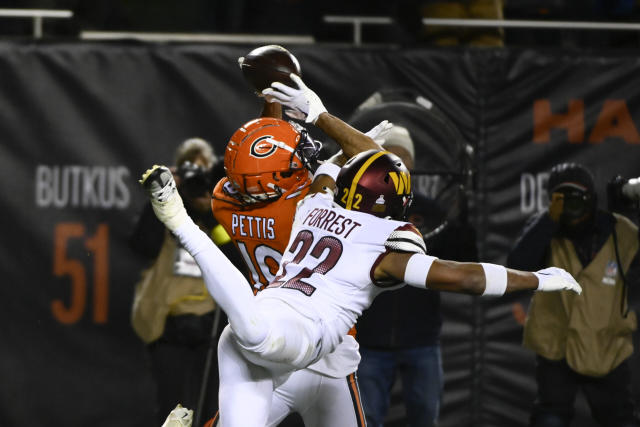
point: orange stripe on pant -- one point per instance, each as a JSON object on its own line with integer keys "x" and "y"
{"x": 212, "y": 422}
{"x": 355, "y": 397}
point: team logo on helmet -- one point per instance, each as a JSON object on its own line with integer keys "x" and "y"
{"x": 401, "y": 181}
{"x": 263, "y": 147}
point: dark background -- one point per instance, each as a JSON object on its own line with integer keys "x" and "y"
{"x": 80, "y": 121}
{"x": 295, "y": 17}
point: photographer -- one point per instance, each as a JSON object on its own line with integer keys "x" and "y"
{"x": 172, "y": 311}
{"x": 581, "y": 341}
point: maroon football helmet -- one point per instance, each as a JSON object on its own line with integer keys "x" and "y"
{"x": 375, "y": 182}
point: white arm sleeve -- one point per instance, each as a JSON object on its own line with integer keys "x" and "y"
{"x": 406, "y": 240}
{"x": 417, "y": 270}
{"x": 328, "y": 168}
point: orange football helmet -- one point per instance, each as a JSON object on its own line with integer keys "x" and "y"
{"x": 267, "y": 157}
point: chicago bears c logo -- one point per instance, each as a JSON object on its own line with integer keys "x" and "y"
{"x": 262, "y": 147}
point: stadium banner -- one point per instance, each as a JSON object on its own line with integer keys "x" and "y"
{"x": 81, "y": 121}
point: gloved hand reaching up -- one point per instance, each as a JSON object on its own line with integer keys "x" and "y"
{"x": 303, "y": 103}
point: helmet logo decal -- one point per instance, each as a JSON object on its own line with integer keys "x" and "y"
{"x": 263, "y": 147}
{"x": 379, "y": 205}
{"x": 401, "y": 182}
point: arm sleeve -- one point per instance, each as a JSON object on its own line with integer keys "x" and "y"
{"x": 532, "y": 246}
{"x": 327, "y": 168}
{"x": 406, "y": 238}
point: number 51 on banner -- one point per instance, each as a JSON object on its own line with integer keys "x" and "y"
{"x": 98, "y": 245}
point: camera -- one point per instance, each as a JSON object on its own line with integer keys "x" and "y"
{"x": 623, "y": 194}
{"x": 576, "y": 205}
{"x": 195, "y": 181}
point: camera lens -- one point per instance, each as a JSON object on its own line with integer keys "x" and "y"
{"x": 576, "y": 204}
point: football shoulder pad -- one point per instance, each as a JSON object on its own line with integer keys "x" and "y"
{"x": 406, "y": 238}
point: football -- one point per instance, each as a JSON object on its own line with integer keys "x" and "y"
{"x": 267, "y": 64}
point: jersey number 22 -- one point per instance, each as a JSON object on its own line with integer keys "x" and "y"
{"x": 301, "y": 244}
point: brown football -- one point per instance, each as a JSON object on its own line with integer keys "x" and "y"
{"x": 267, "y": 64}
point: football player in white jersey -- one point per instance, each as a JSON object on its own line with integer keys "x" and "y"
{"x": 264, "y": 187}
{"x": 348, "y": 243}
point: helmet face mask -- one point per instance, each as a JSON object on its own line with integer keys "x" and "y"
{"x": 375, "y": 182}
{"x": 262, "y": 160}
{"x": 308, "y": 149}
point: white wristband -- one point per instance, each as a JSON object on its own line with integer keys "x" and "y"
{"x": 418, "y": 266}
{"x": 495, "y": 279}
{"x": 328, "y": 168}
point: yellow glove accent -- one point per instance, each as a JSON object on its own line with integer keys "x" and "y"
{"x": 219, "y": 235}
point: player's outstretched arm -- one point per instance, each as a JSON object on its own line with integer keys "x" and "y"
{"x": 271, "y": 109}
{"x": 473, "y": 278}
{"x": 350, "y": 139}
{"x": 304, "y": 104}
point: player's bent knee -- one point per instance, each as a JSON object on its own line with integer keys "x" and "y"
{"x": 291, "y": 339}
{"x": 253, "y": 332}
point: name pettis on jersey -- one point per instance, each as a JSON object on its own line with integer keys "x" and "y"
{"x": 253, "y": 226}
{"x": 328, "y": 220}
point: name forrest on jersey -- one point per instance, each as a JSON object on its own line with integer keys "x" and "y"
{"x": 328, "y": 220}
{"x": 256, "y": 227}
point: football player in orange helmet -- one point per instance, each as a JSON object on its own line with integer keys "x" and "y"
{"x": 266, "y": 163}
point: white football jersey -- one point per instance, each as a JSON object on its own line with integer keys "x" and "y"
{"x": 326, "y": 272}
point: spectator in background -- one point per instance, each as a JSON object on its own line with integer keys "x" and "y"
{"x": 172, "y": 311}
{"x": 581, "y": 341}
{"x": 400, "y": 333}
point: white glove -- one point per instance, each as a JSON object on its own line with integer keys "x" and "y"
{"x": 303, "y": 102}
{"x": 632, "y": 189}
{"x": 556, "y": 279}
{"x": 179, "y": 417}
{"x": 380, "y": 131}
